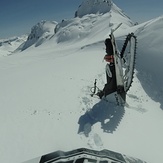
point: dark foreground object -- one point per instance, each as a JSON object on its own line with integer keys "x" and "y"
{"x": 83, "y": 155}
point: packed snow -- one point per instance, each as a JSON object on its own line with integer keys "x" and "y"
{"x": 45, "y": 90}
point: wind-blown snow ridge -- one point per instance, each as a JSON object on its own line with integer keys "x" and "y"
{"x": 150, "y": 51}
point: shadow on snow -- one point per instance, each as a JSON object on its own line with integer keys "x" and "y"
{"x": 108, "y": 114}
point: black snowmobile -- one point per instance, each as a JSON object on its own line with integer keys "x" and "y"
{"x": 120, "y": 69}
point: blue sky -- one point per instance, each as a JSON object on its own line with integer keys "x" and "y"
{"x": 18, "y": 16}
{"x": 142, "y": 10}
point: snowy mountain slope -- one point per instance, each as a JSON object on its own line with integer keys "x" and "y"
{"x": 45, "y": 90}
{"x": 150, "y": 51}
{"x": 32, "y": 107}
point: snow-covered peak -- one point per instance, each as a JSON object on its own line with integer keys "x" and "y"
{"x": 101, "y": 7}
{"x": 39, "y": 33}
{"x": 93, "y": 7}
{"x": 12, "y": 40}
{"x": 7, "y": 46}
{"x": 85, "y": 24}
{"x": 42, "y": 28}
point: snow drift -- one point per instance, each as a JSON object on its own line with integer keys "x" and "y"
{"x": 150, "y": 58}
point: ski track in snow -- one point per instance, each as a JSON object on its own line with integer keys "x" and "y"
{"x": 95, "y": 141}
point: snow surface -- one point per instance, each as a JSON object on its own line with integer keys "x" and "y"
{"x": 45, "y": 90}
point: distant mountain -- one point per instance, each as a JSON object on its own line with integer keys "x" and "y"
{"x": 94, "y": 7}
{"x": 98, "y": 7}
{"x": 87, "y": 18}
{"x": 7, "y": 46}
{"x": 39, "y": 33}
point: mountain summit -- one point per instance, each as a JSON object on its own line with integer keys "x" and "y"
{"x": 93, "y": 7}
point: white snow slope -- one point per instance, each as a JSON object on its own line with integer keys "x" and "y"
{"x": 46, "y": 89}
